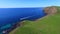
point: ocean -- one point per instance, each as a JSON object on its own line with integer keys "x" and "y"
{"x": 14, "y": 15}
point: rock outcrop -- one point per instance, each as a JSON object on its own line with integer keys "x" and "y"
{"x": 50, "y": 10}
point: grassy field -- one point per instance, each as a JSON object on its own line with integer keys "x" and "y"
{"x": 48, "y": 25}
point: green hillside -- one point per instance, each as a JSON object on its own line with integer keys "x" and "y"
{"x": 47, "y": 25}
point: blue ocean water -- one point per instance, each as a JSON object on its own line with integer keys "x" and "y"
{"x": 14, "y": 15}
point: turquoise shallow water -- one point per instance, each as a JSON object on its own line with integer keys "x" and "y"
{"x": 9, "y": 16}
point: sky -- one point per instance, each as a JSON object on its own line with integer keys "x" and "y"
{"x": 28, "y": 3}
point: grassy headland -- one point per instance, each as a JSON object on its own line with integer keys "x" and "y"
{"x": 47, "y": 25}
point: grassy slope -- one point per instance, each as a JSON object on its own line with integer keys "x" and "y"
{"x": 48, "y": 25}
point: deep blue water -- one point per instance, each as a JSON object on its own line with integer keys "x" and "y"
{"x": 14, "y": 15}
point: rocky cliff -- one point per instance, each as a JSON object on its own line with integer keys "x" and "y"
{"x": 50, "y": 10}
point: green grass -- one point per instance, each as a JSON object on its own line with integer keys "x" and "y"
{"x": 48, "y": 25}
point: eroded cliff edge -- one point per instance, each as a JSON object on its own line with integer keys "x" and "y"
{"x": 50, "y": 10}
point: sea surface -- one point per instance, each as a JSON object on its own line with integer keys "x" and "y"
{"x": 14, "y": 15}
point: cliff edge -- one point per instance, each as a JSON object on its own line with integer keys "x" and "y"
{"x": 50, "y": 10}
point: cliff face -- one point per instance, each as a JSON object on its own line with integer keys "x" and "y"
{"x": 50, "y": 10}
